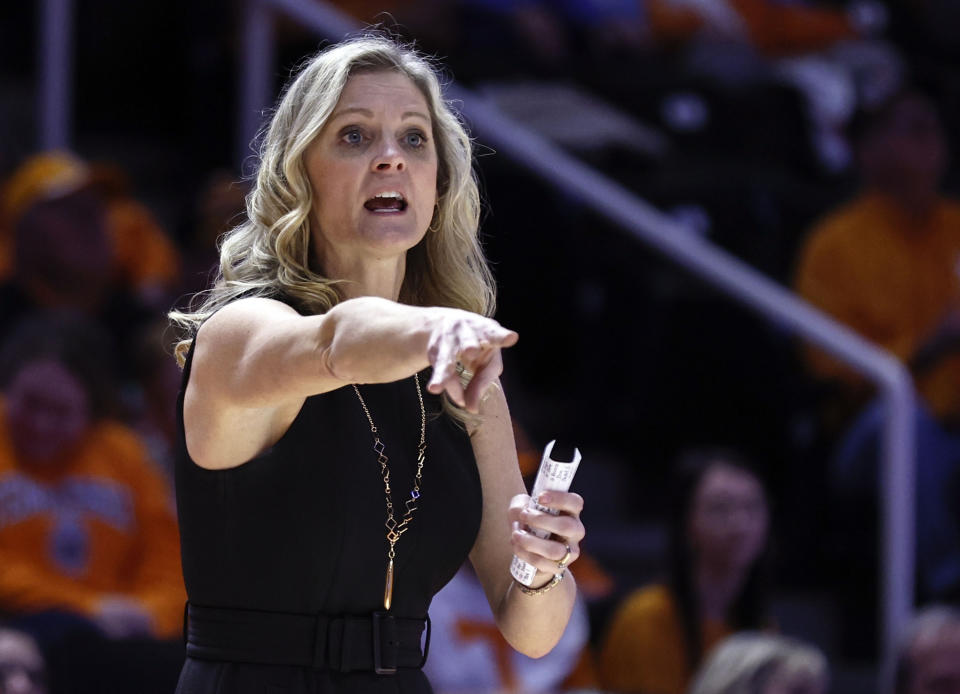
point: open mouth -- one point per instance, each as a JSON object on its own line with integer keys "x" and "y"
{"x": 389, "y": 202}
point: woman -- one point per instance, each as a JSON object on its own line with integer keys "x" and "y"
{"x": 310, "y": 413}
{"x": 716, "y": 584}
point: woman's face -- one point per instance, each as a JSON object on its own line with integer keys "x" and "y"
{"x": 728, "y": 520}
{"x": 373, "y": 170}
{"x": 48, "y": 411}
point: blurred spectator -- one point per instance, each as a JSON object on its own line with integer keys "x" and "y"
{"x": 61, "y": 258}
{"x": 64, "y": 259}
{"x": 468, "y": 654}
{"x": 753, "y": 663}
{"x": 929, "y": 658}
{"x": 22, "y": 669}
{"x": 87, "y": 527}
{"x": 717, "y": 581}
{"x": 142, "y": 259}
{"x": 886, "y": 264}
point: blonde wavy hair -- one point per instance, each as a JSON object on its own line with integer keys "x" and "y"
{"x": 268, "y": 255}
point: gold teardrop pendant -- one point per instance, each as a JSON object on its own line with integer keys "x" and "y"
{"x": 388, "y": 587}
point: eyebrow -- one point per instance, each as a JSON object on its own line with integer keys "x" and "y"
{"x": 369, "y": 114}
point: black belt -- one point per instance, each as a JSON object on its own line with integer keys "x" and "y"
{"x": 378, "y": 642}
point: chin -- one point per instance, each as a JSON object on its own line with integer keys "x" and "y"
{"x": 398, "y": 235}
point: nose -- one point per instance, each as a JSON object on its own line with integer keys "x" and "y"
{"x": 389, "y": 157}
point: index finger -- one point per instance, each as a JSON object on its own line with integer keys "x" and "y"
{"x": 509, "y": 338}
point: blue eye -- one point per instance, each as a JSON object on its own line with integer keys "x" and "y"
{"x": 416, "y": 139}
{"x": 353, "y": 137}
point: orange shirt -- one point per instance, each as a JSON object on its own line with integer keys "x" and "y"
{"x": 102, "y": 523}
{"x": 890, "y": 278}
{"x": 644, "y": 651}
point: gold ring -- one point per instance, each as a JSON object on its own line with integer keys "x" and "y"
{"x": 562, "y": 564}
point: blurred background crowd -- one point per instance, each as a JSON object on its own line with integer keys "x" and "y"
{"x": 730, "y": 470}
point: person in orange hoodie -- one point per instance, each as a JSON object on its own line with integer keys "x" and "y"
{"x": 87, "y": 526}
{"x": 885, "y": 262}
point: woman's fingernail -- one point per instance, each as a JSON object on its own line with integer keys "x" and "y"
{"x": 544, "y": 498}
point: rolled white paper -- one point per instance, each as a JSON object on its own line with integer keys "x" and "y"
{"x": 553, "y": 476}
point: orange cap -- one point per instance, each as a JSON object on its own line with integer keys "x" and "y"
{"x": 42, "y": 177}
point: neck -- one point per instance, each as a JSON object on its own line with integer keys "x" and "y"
{"x": 381, "y": 277}
{"x": 717, "y": 588}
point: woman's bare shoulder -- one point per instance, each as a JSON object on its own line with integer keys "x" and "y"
{"x": 252, "y": 308}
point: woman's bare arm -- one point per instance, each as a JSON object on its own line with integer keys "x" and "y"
{"x": 257, "y": 359}
{"x": 532, "y": 624}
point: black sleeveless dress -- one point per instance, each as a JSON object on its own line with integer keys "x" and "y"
{"x": 300, "y": 529}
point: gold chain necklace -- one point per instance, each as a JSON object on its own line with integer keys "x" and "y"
{"x": 394, "y": 529}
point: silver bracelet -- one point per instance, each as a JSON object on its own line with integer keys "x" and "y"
{"x": 542, "y": 589}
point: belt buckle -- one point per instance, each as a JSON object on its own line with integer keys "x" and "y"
{"x": 384, "y": 625}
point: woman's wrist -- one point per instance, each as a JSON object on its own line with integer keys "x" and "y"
{"x": 548, "y": 585}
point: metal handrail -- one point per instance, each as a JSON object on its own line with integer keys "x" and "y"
{"x": 615, "y": 203}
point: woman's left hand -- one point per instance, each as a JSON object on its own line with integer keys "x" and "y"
{"x": 566, "y": 530}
